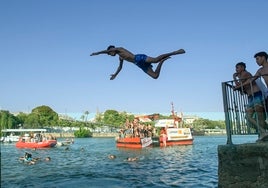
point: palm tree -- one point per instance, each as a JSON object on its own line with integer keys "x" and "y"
{"x": 82, "y": 117}
{"x": 86, "y": 113}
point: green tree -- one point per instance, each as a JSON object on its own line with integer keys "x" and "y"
{"x": 82, "y": 133}
{"x": 98, "y": 117}
{"x": 47, "y": 116}
{"x": 65, "y": 123}
{"x": 111, "y": 117}
{"x": 8, "y": 120}
{"x": 4, "y": 119}
{"x": 41, "y": 116}
{"x": 208, "y": 124}
{"x": 21, "y": 118}
{"x": 222, "y": 124}
{"x": 82, "y": 117}
{"x": 201, "y": 123}
{"x": 11, "y": 122}
{"x": 32, "y": 121}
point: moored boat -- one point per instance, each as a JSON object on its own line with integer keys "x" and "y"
{"x": 135, "y": 142}
{"x": 9, "y": 136}
{"x": 66, "y": 142}
{"x": 176, "y": 136}
{"x": 43, "y": 144}
{"x": 35, "y": 138}
{"x": 172, "y": 133}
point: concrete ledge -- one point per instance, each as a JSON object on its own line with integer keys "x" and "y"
{"x": 243, "y": 165}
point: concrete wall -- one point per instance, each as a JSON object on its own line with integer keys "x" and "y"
{"x": 105, "y": 135}
{"x": 243, "y": 165}
{"x": 61, "y": 135}
{"x": 71, "y": 135}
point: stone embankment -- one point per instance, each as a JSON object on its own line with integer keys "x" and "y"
{"x": 71, "y": 135}
{"x": 243, "y": 165}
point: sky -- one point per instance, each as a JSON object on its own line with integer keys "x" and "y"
{"x": 46, "y": 45}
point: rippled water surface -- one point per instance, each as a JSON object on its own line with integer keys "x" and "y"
{"x": 85, "y": 164}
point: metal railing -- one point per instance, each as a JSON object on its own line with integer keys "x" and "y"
{"x": 235, "y": 105}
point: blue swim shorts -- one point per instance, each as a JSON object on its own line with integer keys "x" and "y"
{"x": 254, "y": 100}
{"x": 140, "y": 62}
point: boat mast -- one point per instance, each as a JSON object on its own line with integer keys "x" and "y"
{"x": 173, "y": 115}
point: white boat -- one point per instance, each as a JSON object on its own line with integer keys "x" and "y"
{"x": 33, "y": 138}
{"x": 14, "y": 135}
{"x": 66, "y": 142}
{"x": 171, "y": 133}
{"x": 174, "y": 135}
{"x": 9, "y": 136}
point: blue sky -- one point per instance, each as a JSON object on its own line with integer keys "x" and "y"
{"x": 46, "y": 45}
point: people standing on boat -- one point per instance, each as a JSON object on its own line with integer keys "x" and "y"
{"x": 163, "y": 135}
{"x": 141, "y": 60}
{"x": 141, "y": 130}
{"x": 121, "y": 133}
{"x": 136, "y": 129}
{"x": 149, "y": 131}
{"x": 255, "y": 100}
{"x": 38, "y": 137}
{"x": 136, "y": 132}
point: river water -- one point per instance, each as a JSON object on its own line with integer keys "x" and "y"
{"x": 85, "y": 164}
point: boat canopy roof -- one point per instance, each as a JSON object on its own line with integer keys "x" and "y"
{"x": 24, "y": 130}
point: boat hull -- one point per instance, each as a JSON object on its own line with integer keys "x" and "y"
{"x": 135, "y": 143}
{"x": 44, "y": 144}
{"x": 177, "y": 142}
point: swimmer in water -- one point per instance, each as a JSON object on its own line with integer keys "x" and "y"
{"x": 111, "y": 156}
{"x": 47, "y": 159}
{"x": 132, "y": 159}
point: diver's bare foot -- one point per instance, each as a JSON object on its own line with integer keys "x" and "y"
{"x": 180, "y": 51}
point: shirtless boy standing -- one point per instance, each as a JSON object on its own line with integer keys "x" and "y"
{"x": 255, "y": 103}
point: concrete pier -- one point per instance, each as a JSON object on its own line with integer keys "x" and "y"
{"x": 243, "y": 165}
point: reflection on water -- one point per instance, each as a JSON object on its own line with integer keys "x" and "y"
{"x": 86, "y": 164}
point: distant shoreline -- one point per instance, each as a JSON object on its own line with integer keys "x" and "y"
{"x": 113, "y": 135}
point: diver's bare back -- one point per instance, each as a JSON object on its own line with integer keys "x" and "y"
{"x": 125, "y": 54}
